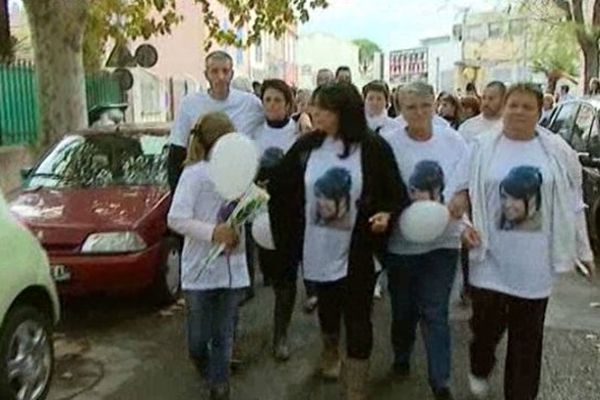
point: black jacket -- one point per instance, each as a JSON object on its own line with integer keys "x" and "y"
{"x": 383, "y": 191}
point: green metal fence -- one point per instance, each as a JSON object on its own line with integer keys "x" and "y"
{"x": 19, "y": 110}
{"x": 19, "y": 106}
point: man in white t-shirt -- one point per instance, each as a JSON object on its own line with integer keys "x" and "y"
{"x": 436, "y": 120}
{"x": 490, "y": 119}
{"x": 244, "y": 109}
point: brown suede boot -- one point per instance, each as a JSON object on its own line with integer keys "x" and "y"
{"x": 355, "y": 375}
{"x": 330, "y": 364}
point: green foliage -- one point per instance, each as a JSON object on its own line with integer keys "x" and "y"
{"x": 123, "y": 20}
{"x": 366, "y": 49}
{"x": 554, "y": 48}
{"x": 259, "y": 16}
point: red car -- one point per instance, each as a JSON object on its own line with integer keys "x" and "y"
{"x": 98, "y": 203}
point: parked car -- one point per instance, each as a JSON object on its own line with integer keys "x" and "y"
{"x": 577, "y": 122}
{"x": 29, "y": 308}
{"x": 98, "y": 202}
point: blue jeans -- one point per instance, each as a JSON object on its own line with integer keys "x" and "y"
{"x": 420, "y": 287}
{"x": 211, "y": 316}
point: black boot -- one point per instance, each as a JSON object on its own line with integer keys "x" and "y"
{"x": 220, "y": 392}
{"x": 285, "y": 298}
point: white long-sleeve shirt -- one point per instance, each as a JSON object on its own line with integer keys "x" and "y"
{"x": 194, "y": 214}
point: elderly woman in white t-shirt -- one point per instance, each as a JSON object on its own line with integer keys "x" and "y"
{"x": 421, "y": 274}
{"x": 529, "y": 225}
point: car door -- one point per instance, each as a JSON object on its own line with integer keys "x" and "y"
{"x": 591, "y": 173}
{"x": 564, "y": 120}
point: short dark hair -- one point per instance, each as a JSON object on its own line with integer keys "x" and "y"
{"x": 219, "y": 55}
{"x": 529, "y": 88}
{"x": 471, "y": 87}
{"x": 343, "y": 68}
{"x": 566, "y": 88}
{"x": 345, "y": 100}
{"x": 377, "y": 86}
{"x": 280, "y": 86}
{"x": 497, "y": 84}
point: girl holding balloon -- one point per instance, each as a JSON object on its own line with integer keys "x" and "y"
{"x": 333, "y": 199}
{"x": 198, "y": 212}
{"x": 274, "y": 139}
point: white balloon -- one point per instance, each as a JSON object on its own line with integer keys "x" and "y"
{"x": 424, "y": 221}
{"x": 261, "y": 231}
{"x": 233, "y": 164}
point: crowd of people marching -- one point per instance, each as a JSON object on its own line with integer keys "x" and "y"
{"x": 340, "y": 166}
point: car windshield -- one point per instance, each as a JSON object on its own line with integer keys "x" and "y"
{"x": 101, "y": 160}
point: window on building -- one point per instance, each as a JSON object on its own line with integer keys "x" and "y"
{"x": 477, "y": 32}
{"x": 496, "y": 29}
{"x": 516, "y": 27}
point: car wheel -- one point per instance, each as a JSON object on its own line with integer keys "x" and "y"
{"x": 26, "y": 355}
{"x": 168, "y": 280}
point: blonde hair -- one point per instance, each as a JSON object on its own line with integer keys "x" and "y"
{"x": 205, "y": 133}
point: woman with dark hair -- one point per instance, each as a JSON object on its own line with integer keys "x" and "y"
{"x": 521, "y": 198}
{"x": 525, "y": 187}
{"x": 274, "y": 139}
{"x": 377, "y": 100}
{"x": 449, "y": 108}
{"x": 342, "y": 160}
{"x": 427, "y": 182}
{"x": 470, "y": 107}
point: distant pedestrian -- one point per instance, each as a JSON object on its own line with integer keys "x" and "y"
{"x": 450, "y": 110}
{"x": 547, "y": 108}
{"x": 594, "y": 87}
{"x": 490, "y": 118}
{"x": 470, "y": 107}
{"x": 377, "y": 99}
{"x": 325, "y": 76}
{"x": 199, "y": 213}
{"x": 343, "y": 74}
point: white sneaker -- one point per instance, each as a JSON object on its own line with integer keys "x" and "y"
{"x": 480, "y": 387}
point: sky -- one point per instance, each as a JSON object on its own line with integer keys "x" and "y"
{"x": 392, "y": 24}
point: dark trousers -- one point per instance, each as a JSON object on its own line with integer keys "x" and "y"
{"x": 494, "y": 313}
{"x": 273, "y": 270}
{"x": 352, "y": 300}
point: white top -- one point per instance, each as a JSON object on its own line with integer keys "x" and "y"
{"x": 382, "y": 123}
{"x": 244, "y": 109}
{"x": 268, "y": 137}
{"x": 473, "y": 127}
{"x": 436, "y": 120}
{"x": 429, "y": 170}
{"x": 333, "y": 187}
{"x": 194, "y": 214}
{"x": 518, "y": 257}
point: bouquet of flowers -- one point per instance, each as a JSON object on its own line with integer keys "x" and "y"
{"x": 252, "y": 203}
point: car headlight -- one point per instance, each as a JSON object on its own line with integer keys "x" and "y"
{"x": 113, "y": 242}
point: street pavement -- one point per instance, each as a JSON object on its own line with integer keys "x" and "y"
{"x": 124, "y": 349}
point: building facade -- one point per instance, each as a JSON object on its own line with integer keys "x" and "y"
{"x": 408, "y": 65}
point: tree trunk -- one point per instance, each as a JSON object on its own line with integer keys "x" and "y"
{"x": 6, "y": 45}
{"x": 591, "y": 61}
{"x": 57, "y": 28}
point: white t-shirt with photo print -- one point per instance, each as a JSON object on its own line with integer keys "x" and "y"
{"x": 518, "y": 257}
{"x": 430, "y": 171}
{"x": 333, "y": 186}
